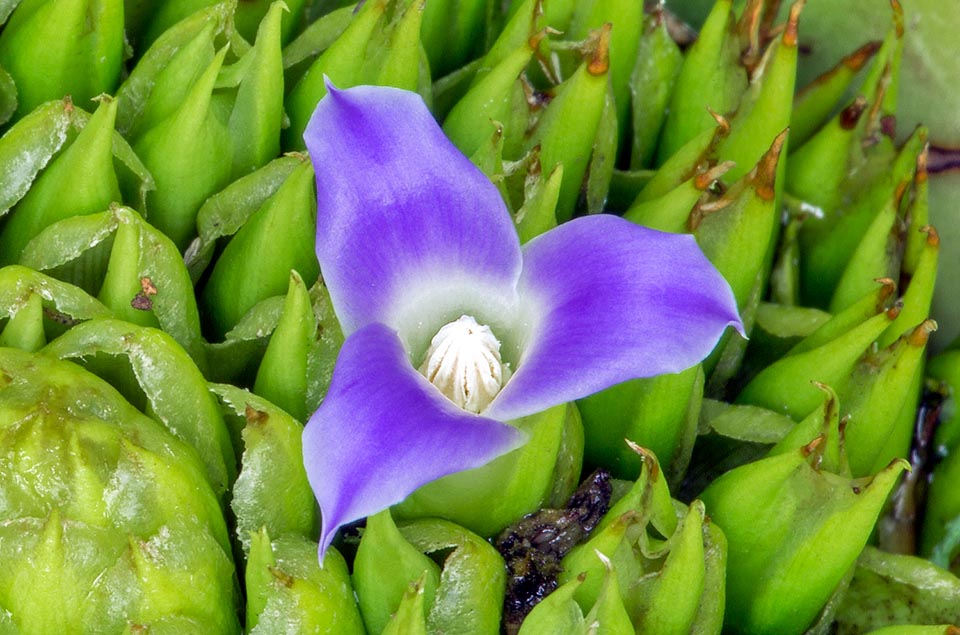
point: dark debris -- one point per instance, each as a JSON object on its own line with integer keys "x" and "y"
{"x": 533, "y": 546}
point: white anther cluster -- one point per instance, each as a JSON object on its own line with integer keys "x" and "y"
{"x": 463, "y": 361}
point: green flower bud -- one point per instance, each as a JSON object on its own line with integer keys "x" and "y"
{"x": 793, "y": 532}
{"x": 485, "y": 500}
{"x": 654, "y": 73}
{"x": 877, "y": 301}
{"x": 881, "y": 398}
{"x": 453, "y": 33}
{"x": 883, "y": 75}
{"x": 696, "y": 156}
{"x": 408, "y": 619}
{"x": 385, "y": 566}
{"x": 489, "y": 158}
{"x": 174, "y": 388}
{"x": 256, "y": 113}
{"x": 659, "y": 413}
{"x": 224, "y": 213}
{"x": 35, "y": 304}
{"x": 25, "y": 328}
{"x": 469, "y": 597}
{"x": 165, "y": 74}
{"x": 590, "y": 560}
{"x": 671, "y": 211}
{"x": 314, "y": 39}
{"x": 852, "y": 171}
{"x": 289, "y": 593}
{"x": 370, "y": 50}
{"x": 672, "y": 584}
{"x": 737, "y": 233}
{"x": 145, "y": 281}
{"x": 538, "y": 213}
{"x": 465, "y": 596}
{"x": 150, "y": 24}
{"x": 250, "y": 16}
{"x": 397, "y": 57}
{"x": 570, "y": 130}
{"x": 785, "y": 386}
{"x": 918, "y": 212}
{"x": 608, "y": 616}
{"x": 251, "y": 268}
{"x": 497, "y": 96}
{"x": 526, "y": 19}
{"x": 271, "y": 492}
{"x": 872, "y": 258}
{"x": 817, "y": 170}
{"x": 919, "y": 294}
{"x": 80, "y": 179}
{"x": 815, "y": 102}
{"x": 668, "y": 600}
{"x": 711, "y": 77}
{"x": 183, "y": 151}
{"x": 764, "y": 109}
{"x": 626, "y": 17}
{"x": 282, "y": 376}
{"x": 557, "y": 614}
{"x": 824, "y": 421}
{"x": 109, "y": 520}
{"x": 53, "y": 48}
{"x": 649, "y": 497}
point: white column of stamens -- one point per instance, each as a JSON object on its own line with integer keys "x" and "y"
{"x": 463, "y": 361}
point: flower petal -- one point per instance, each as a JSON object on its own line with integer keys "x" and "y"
{"x": 383, "y": 431}
{"x": 609, "y": 301}
{"x": 408, "y": 229}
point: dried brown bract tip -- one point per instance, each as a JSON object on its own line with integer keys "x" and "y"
{"x": 791, "y": 34}
{"x": 764, "y": 174}
{"x": 599, "y": 50}
{"x": 859, "y": 58}
{"x": 898, "y": 22}
{"x": 933, "y": 238}
{"x": 722, "y": 121}
{"x": 850, "y": 115}
{"x": 922, "y": 158}
{"x": 705, "y": 179}
{"x": 889, "y": 288}
{"x": 919, "y": 336}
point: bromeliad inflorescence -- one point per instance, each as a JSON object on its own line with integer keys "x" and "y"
{"x": 451, "y": 328}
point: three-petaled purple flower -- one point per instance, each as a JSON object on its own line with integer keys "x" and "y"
{"x": 451, "y": 327}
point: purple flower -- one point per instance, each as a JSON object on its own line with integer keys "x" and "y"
{"x": 451, "y": 327}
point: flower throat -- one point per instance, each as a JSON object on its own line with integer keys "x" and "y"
{"x": 464, "y": 363}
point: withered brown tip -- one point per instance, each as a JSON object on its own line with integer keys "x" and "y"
{"x": 599, "y": 62}
{"x": 790, "y": 35}
{"x": 858, "y": 59}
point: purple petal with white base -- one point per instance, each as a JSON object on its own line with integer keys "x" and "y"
{"x": 383, "y": 431}
{"x": 411, "y": 236}
{"x": 611, "y": 301}
{"x": 405, "y": 221}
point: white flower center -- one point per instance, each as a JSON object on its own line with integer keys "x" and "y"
{"x": 463, "y": 361}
